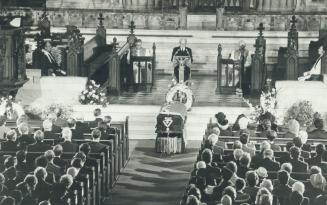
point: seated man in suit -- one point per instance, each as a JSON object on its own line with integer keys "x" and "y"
{"x": 314, "y": 74}
{"x": 10, "y": 144}
{"x": 51, "y": 167}
{"x": 107, "y": 120}
{"x": 90, "y": 161}
{"x": 96, "y": 146}
{"x": 98, "y": 118}
{"x": 318, "y": 132}
{"x": 47, "y": 129}
{"x": 68, "y": 145}
{"x": 323, "y": 163}
{"x": 76, "y": 133}
{"x": 39, "y": 145}
{"x": 58, "y": 150}
{"x": 25, "y": 137}
{"x": 268, "y": 161}
{"x": 283, "y": 190}
{"x": 42, "y": 188}
{"x": 298, "y": 165}
{"x": 182, "y": 50}
{"x": 48, "y": 62}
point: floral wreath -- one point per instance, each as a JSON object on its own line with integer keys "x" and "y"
{"x": 10, "y": 108}
{"x": 186, "y": 95}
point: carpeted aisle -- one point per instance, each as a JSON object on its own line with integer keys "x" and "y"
{"x": 150, "y": 179}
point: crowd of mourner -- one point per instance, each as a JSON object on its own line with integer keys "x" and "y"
{"x": 48, "y": 179}
{"x": 264, "y": 172}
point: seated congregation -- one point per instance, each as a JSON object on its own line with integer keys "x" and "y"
{"x": 59, "y": 161}
{"x": 262, "y": 165}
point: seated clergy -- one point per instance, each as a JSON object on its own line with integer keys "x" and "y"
{"x": 145, "y": 74}
{"x": 242, "y": 53}
{"x": 48, "y": 62}
{"x": 182, "y": 50}
{"x": 315, "y": 73}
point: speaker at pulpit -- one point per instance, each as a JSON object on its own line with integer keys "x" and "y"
{"x": 12, "y": 60}
{"x": 182, "y": 68}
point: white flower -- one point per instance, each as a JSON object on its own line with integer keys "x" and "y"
{"x": 93, "y": 82}
{"x": 83, "y": 97}
{"x": 91, "y": 101}
{"x": 102, "y": 94}
{"x": 97, "y": 85}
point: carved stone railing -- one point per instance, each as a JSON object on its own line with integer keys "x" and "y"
{"x": 173, "y": 19}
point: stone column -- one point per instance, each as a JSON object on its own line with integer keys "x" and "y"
{"x": 260, "y": 4}
{"x": 219, "y": 18}
{"x": 275, "y": 5}
{"x": 266, "y": 5}
{"x": 183, "y": 17}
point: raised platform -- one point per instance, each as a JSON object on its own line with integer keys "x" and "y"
{"x": 290, "y": 92}
{"x": 45, "y": 90}
{"x": 204, "y": 45}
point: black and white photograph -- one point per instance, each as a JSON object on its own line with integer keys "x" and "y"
{"x": 163, "y": 102}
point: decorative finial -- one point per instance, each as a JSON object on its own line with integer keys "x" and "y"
{"x": 261, "y": 28}
{"x": 132, "y": 27}
{"x": 219, "y": 49}
{"x": 100, "y": 18}
{"x": 293, "y": 22}
{"x": 114, "y": 44}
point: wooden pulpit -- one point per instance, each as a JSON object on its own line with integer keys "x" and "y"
{"x": 12, "y": 60}
{"x": 181, "y": 61}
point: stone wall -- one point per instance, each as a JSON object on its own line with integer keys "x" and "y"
{"x": 87, "y": 18}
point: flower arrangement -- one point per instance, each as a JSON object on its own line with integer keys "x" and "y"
{"x": 10, "y": 108}
{"x": 301, "y": 111}
{"x": 93, "y": 95}
{"x": 39, "y": 112}
{"x": 267, "y": 104}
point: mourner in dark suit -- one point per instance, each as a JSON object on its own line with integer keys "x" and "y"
{"x": 48, "y": 62}
{"x": 97, "y": 115}
{"x": 268, "y": 161}
{"x": 182, "y": 50}
{"x": 10, "y": 144}
{"x": 39, "y": 145}
{"x": 96, "y": 146}
{"x": 67, "y": 145}
{"x": 318, "y": 132}
{"x": 57, "y": 159}
{"x": 42, "y": 189}
{"x": 298, "y": 165}
{"x": 76, "y": 133}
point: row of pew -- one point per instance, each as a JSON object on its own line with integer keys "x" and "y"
{"x": 102, "y": 177}
{"x": 279, "y": 155}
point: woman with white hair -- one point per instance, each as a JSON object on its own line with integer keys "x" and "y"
{"x": 293, "y": 129}
{"x": 313, "y": 187}
{"x": 296, "y": 196}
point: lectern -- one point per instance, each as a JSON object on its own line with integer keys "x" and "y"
{"x": 181, "y": 61}
{"x": 12, "y": 60}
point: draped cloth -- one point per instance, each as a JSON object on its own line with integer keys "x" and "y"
{"x": 314, "y": 73}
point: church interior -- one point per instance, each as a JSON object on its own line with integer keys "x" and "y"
{"x": 189, "y": 102}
